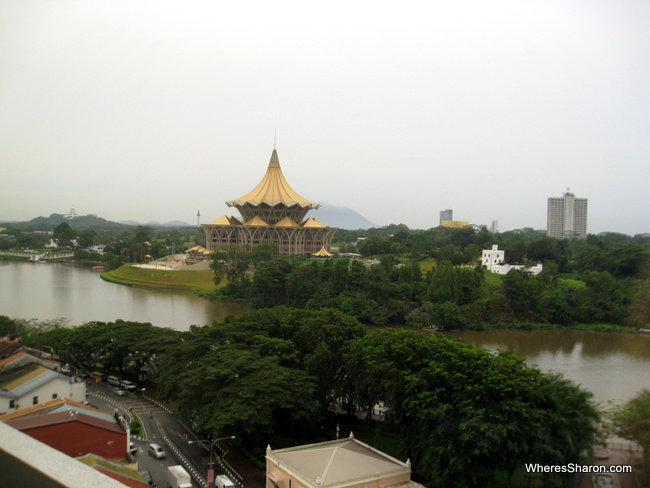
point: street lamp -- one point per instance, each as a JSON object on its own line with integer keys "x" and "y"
{"x": 211, "y": 463}
{"x": 67, "y": 354}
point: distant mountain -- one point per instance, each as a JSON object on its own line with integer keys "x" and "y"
{"x": 341, "y": 217}
{"x": 152, "y": 223}
{"x": 330, "y": 215}
{"x": 80, "y": 222}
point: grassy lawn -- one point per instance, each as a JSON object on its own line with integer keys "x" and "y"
{"x": 427, "y": 265}
{"x": 196, "y": 281}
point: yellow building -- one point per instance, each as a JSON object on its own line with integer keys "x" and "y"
{"x": 271, "y": 212}
{"x": 455, "y": 224}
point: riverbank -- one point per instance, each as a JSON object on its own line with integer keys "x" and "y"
{"x": 201, "y": 282}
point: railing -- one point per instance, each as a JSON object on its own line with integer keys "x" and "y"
{"x": 185, "y": 462}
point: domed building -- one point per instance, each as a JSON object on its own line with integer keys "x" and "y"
{"x": 272, "y": 212}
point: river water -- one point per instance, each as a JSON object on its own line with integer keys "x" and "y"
{"x": 613, "y": 366}
{"x": 50, "y": 291}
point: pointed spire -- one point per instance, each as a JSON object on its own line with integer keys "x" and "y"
{"x": 275, "y": 161}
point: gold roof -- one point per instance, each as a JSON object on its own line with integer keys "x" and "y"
{"x": 286, "y": 222}
{"x": 312, "y": 222}
{"x": 225, "y": 220}
{"x": 323, "y": 253}
{"x": 257, "y": 221}
{"x": 273, "y": 190}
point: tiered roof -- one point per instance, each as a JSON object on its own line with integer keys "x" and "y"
{"x": 273, "y": 190}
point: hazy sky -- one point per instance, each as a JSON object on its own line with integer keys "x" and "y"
{"x": 151, "y": 110}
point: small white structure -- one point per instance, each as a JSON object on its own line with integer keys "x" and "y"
{"x": 492, "y": 257}
{"x": 494, "y": 260}
{"x": 505, "y": 268}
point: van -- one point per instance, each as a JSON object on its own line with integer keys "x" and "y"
{"x": 114, "y": 380}
{"x": 128, "y": 386}
{"x": 222, "y": 481}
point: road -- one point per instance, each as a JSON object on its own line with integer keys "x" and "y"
{"x": 161, "y": 426}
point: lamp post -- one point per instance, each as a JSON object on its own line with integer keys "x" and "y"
{"x": 211, "y": 462}
{"x": 67, "y": 356}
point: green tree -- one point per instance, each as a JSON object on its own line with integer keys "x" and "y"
{"x": 466, "y": 414}
{"x": 302, "y": 283}
{"x": 63, "y": 235}
{"x": 453, "y": 284}
{"x": 86, "y": 238}
{"x": 632, "y": 421}
{"x": 269, "y": 285}
{"x": 231, "y": 262}
{"x": 271, "y": 369}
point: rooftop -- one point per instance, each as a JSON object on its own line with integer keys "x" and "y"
{"x": 343, "y": 461}
{"x": 273, "y": 190}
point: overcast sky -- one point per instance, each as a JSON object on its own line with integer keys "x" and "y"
{"x": 152, "y": 110}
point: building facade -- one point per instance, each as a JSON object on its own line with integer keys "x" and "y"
{"x": 32, "y": 384}
{"x": 492, "y": 257}
{"x": 271, "y": 212}
{"x": 495, "y": 260}
{"x": 447, "y": 214}
{"x": 567, "y": 217}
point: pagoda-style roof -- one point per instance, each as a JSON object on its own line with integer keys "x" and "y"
{"x": 273, "y": 190}
{"x": 312, "y": 222}
{"x": 225, "y": 220}
{"x": 323, "y": 253}
{"x": 257, "y": 221}
{"x": 287, "y": 222}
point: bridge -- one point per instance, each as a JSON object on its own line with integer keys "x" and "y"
{"x": 38, "y": 256}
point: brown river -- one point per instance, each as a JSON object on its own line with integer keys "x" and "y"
{"x": 613, "y": 366}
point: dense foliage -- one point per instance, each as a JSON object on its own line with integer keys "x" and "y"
{"x": 632, "y": 421}
{"x": 606, "y": 281}
{"x": 86, "y": 235}
{"x": 466, "y": 414}
{"x": 463, "y": 414}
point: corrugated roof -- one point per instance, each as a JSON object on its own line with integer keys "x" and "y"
{"x": 273, "y": 190}
{"x": 12, "y": 358}
{"x": 33, "y": 380}
{"x": 60, "y": 417}
{"x": 8, "y": 347}
{"x": 53, "y": 405}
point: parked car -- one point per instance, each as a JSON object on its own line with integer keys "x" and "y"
{"x": 128, "y": 385}
{"x": 147, "y": 477}
{"x": 132, "y": 449}
{"x": 119, "y": 391}
{"x": 156, "y": 451}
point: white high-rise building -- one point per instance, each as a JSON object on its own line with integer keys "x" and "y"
{"x": 567, "y": 217}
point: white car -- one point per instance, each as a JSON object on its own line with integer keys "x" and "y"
{"x": 119, "y": 391}
{"x": 156, "y": 451}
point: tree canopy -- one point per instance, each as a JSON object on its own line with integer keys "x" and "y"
{"x": 464, "y": 413}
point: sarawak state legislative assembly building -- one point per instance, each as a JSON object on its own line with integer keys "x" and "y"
{"x": 272, "y": 212}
